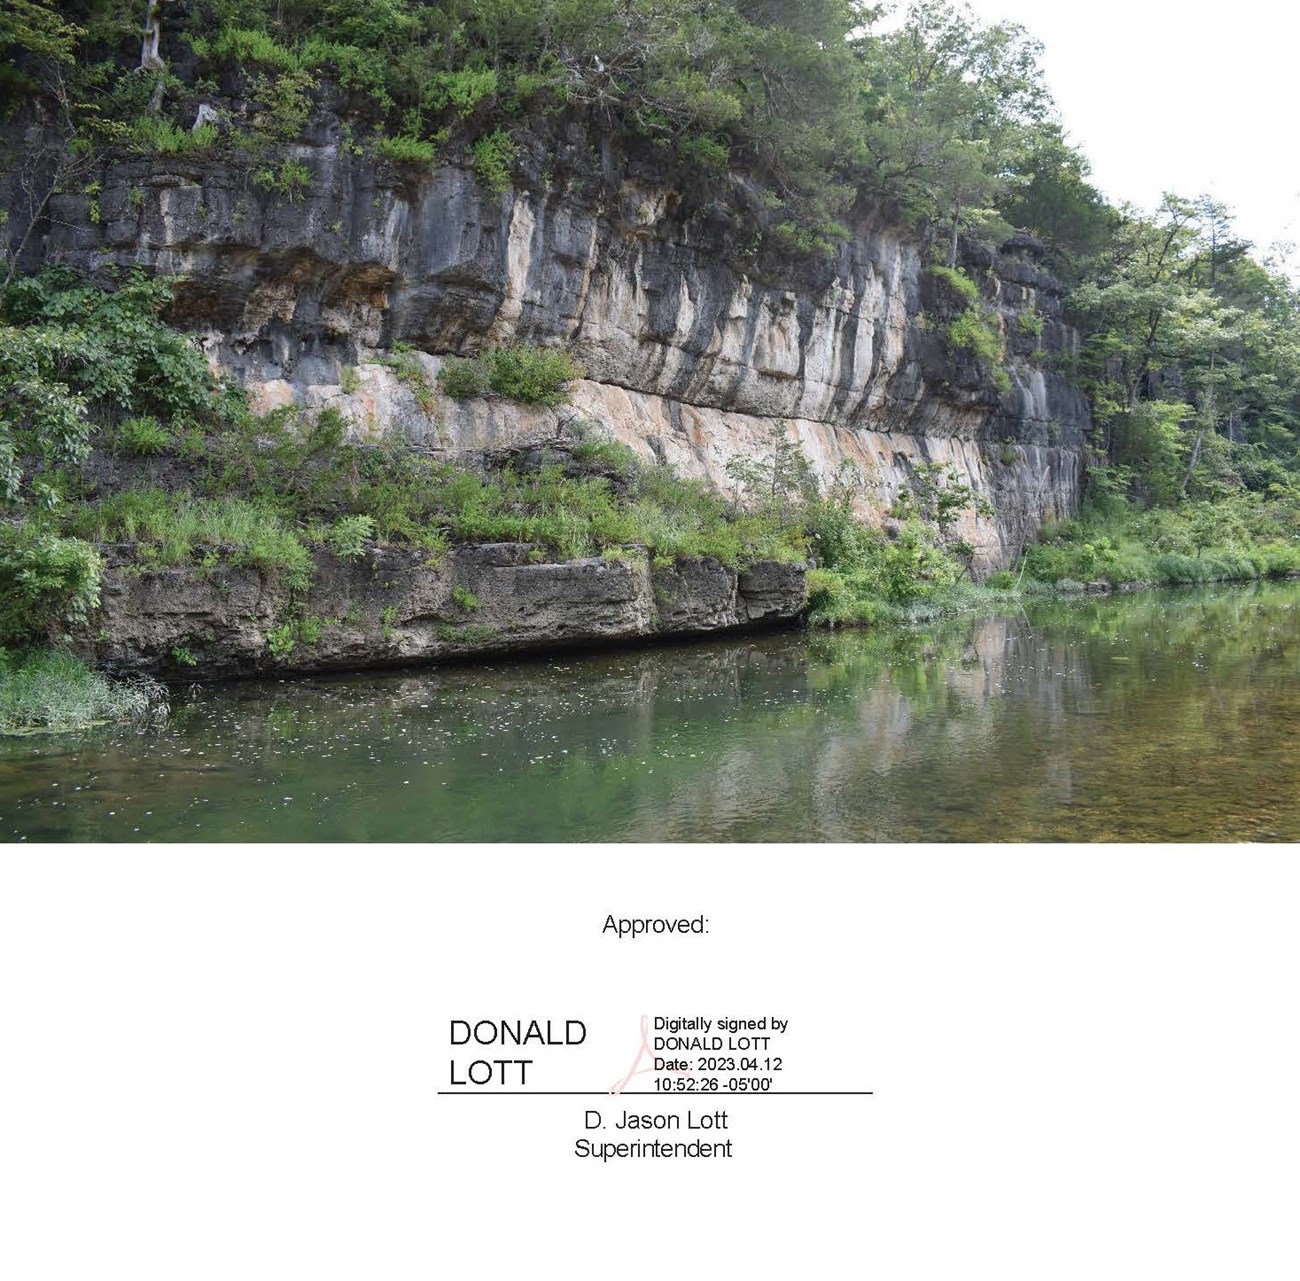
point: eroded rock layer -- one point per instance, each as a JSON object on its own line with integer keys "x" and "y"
{"x": 393, "y": 607}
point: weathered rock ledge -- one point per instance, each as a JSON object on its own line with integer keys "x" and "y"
{"x": 395, "y": 607}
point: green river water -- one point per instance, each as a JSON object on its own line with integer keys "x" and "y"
{"x": 1169, "y": 716}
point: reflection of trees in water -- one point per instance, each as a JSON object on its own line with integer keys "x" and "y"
{"x": 1135, "y": 716}
{"x": 1088, "y": 718}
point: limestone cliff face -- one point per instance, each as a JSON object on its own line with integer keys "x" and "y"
{"x": 693, "y": 346}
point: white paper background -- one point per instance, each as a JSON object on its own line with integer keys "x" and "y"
{"x": 224, "y": 1063}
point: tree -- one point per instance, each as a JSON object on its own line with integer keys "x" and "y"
{"x": 1051, "y": 195}
{"x": 950, "y": 105}
{"x": 1190, "y": 341}
{"x": 38, "y": 52}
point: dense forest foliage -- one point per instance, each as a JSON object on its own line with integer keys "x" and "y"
{"x": 1191, "y": 357}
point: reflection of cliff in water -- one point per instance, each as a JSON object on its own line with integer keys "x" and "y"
{"x": 1163, "y": 716}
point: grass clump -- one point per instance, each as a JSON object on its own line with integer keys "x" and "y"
{"x": 174, "y": 528}
{"x": 957, "y": 282}
{"x": 530, "y": 375}
{"x": 49, "y": 690}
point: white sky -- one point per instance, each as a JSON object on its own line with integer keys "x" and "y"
{"x": 1186, "y": 97}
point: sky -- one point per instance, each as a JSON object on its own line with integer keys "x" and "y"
{"x": 1186, "y": 97}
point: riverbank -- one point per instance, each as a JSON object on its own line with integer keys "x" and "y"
{"x": 1156, "y": 716}
{"x": 180, "y": 626}
{"x": 392, "y": 607}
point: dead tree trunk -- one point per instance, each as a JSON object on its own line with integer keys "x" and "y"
{"x": 150, "y": 57}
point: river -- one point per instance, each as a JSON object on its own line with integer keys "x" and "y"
{"x": 1164, "y": 716}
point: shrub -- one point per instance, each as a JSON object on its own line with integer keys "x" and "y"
{"x": 550, "y": 82}
{"x": 46, "y": 582}
{"x": 291, "y": 180}
{"x": 284, "y": 638}
{"x": 494, "y": 158}
{"x": 600, "y": 453}
{"x": 348, "y": 535}
{"x": 403, "y": 361}
{"x": 240, "y": 46}
{"x": 972, "y": 331}
{"x": 801, "y": 239}
{"x": 1031, "y": 323}
{"x": 360, "y": 70}
{"x": 1233, "y": 539}
{"x": 825, "y": 588}
{"x": 143, "y": 437}
{"x": 532, "y": 375}
{"x": 72, "y": 354}
{"x": 465, "y": 379}
{"x": 403, "y": 149}
{"x": 462, "y": 90}
{"x": 1049, "y": 563}
{"x": 706, "y": 152}
{"x": 155, "y": 135}
{"x": 281, "y": 640}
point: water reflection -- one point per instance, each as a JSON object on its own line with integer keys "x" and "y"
{"x": 1155, "y": 717}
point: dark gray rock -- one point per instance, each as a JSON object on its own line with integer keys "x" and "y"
{"x": 773, "y": 592}
{"x": 696, "y": 596}
{"x": 395, "y": 607}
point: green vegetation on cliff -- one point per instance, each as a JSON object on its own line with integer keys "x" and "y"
{"x": 944, "y": 120}
{"x": 116, "y": 435}
{"x": 796, "y": 116}
{"x": 938, "y": 119}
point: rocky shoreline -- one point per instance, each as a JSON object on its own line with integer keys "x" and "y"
{"x": 394, "y": 607}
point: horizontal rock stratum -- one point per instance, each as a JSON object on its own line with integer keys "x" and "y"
{"x": 393, "y": 607}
